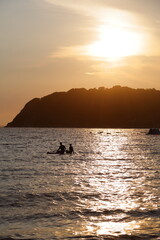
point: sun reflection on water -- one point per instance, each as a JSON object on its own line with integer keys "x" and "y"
{"x": 116, "y": 186}
{"x": 108, "y": 228}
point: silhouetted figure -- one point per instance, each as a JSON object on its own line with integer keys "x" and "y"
{"x": 61, "y": 149}
{"x": 71, "y": 150}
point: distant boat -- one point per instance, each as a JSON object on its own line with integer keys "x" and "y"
{"x": 154, "y": 131}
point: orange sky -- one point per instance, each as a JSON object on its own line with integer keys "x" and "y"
{"x": 55, "y": 45}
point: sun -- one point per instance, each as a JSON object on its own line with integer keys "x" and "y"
{"x": 115, "y": 42}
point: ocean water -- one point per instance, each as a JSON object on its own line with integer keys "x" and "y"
{"x": 108, "y": 189}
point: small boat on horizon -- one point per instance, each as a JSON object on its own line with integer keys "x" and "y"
{"x": 154, "y": 131}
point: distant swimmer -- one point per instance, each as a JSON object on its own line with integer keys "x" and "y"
{"x": 61, "y": 149}
{"x": 71, "y": 150}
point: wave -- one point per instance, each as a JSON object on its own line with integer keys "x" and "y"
{"x": 92, "y": 237}
{"x": 10, "y": 199}
{"x": 116, "y": 215}
{"x": 10, "y": 238}
{"x": 121, "y": 237}
{"x": 21, "y": 200}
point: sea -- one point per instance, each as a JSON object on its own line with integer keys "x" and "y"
{"x": 107, "y": 190}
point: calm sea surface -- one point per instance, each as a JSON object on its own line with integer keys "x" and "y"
{"x": 108, "y": 189}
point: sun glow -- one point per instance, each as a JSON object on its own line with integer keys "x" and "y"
{"x": 115, "y": 42}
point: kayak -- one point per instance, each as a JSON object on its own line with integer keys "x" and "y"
{"x": 67, "y": 152}
{"x": 54, "y": 153}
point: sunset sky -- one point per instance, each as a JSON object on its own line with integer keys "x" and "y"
{"x": 56, "y": 45}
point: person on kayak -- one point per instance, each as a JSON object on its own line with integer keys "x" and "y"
{"x": 71, "y": 150}
{"x": 61, "y": 149}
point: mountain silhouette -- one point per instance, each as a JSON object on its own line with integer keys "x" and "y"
{"x": 116, "y": 107}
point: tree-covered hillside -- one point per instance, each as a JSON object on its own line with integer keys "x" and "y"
{"x": 117, "y": 107}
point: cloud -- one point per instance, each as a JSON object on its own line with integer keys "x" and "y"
{"x": 149, "y": 7}
{"x": 142, "y": 13}
{"x": 98, "y": 9}
{"x": 30, "y": 31}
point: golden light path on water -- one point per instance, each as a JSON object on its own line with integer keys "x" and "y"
{"x": 112, "y": 149}
{"x": 116, "y": 192}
